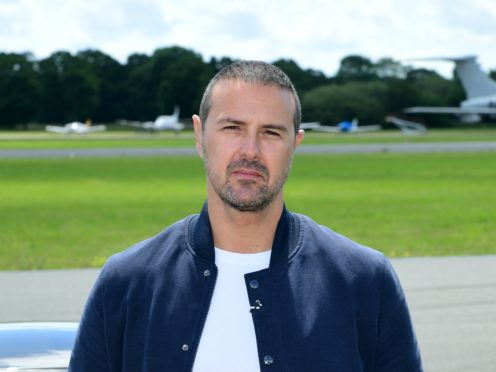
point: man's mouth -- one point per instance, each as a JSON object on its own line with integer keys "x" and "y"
{"x": 247, "y": 170}
{"x": 247, "y": 173}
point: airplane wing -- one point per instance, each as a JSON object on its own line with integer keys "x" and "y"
{"x": 327, "y": 129}
{"x": 97, "y": 128}
{"x": 310, "y": 125}
{"x": 317, "y": 127}
{"x": 367, "y": 128}
{"x": 451, "y": 110}
{"x": 55, "y": 129}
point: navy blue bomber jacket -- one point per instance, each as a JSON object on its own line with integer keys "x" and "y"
{"x": 329, "y": 304}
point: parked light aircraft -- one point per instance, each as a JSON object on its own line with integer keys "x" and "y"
{"x": 479, "y": 88}
{"x": 75, "y": 127}
{"x": 162, "y": 122}
{"x": 344, "y": 126}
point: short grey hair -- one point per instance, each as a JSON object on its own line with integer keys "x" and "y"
{"x": 253, "y": 72}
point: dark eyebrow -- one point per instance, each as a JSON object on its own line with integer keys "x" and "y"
{"x": 228, "y": 119}
{"x": 231, "y": 120}
{"x": 278, "y": 127}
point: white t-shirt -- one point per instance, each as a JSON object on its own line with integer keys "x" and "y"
{"x": 228, "y": 341}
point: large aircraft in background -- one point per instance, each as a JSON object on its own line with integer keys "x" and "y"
{"x": 479, "y": 88}
{"x": 162, "y": 122}
{"x": 75, "y": 127}
{"x": 343, "y": 127}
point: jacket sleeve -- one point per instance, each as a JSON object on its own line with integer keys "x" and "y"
{"x": 89, "y": 352}
{"x": 397, "y": 348}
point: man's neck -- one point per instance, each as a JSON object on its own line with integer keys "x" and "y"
{"x": 244, "y": 232}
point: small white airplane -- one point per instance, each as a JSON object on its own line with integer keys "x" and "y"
{"x": 76, "y": 127}
{"x": 343, "y": 127}
{"x": 162, "y": 122}
{"x": 479, "y": 88}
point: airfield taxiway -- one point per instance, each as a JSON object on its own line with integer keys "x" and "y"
{"x": 452, "y": 301}
{"x": 303, "y": 149}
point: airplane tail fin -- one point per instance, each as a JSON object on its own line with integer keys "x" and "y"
{"x": 475, "y": 82}
{"x": 176, "y": 112}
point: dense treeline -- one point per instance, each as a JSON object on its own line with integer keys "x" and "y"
{"x": 91, "y": 84}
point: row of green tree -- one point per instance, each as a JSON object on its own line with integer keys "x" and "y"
{"x": 90, "y": 84}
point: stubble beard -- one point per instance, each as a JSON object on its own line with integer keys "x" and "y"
{"x": 248, "y": 196}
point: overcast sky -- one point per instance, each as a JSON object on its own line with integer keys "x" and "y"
{"x": 316, "y": 34}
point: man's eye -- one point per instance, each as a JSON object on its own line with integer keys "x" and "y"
{"x": 272, "y": 133}
{"x": 231, "y": 127}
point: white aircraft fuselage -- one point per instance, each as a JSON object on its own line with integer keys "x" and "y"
{"x": 161, "y": 123}
{"x": 75, "y": 127}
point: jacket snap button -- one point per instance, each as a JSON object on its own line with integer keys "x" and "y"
{"x": 185, "y": 347}
{"x": 206, "y": 273}
{"x": 268, "y": 360}
{"x": 254, "y": 284}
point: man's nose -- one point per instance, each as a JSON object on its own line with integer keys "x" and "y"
{"x": 250, "y": 147}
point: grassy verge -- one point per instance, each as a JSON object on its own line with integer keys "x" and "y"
{"x": 60, "y": 213}
{"x": 42, "y": 140}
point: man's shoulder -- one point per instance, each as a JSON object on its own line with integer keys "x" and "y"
{"x": 337, "y": 247}
{"x": 347, "y": 261}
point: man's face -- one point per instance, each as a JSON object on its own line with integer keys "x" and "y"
{"x": 247, "y": 143}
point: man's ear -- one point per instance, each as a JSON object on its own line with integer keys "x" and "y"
{"x": 197, "y": 125}
{"x": 299, "y": 137}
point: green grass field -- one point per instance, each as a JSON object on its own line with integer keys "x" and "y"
{"x": 61, "y": 213}
{"x": 43, "y": 140}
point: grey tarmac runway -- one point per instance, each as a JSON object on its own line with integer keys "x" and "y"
{"x": 304, "y": 149}
{"x": 452, "y": 301}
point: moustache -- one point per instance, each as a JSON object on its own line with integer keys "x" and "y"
{"x": 248, "y": 164}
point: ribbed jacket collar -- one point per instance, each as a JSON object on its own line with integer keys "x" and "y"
{"x": 286, "y": 239}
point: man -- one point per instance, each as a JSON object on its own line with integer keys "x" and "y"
{"x": 247, "y": 285}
